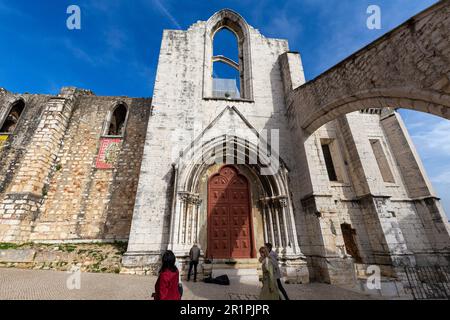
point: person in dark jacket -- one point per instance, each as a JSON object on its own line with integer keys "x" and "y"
{"x": 194, "y": 256}
{"x": 166, "y": 287}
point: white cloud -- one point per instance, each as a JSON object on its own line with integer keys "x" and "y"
{"x": 284, "y": 25}
{"x": 443, "y": 178}
{"x": 78, "y": 52}
{"x": 432, "y": 137}
{"x": 162, "y": 7}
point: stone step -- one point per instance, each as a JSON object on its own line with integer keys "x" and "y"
{"x": 236, "y": 266}
{"x": 235, "y": 262}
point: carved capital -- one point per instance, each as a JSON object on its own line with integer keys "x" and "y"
{"x": 190, "y": 198}
{"x": 198, "y": 202}
{"x": 195, "y": 200}
{"x": 184, "y": 196}
{"x": 280, "y": 202}
{"x": 283, "y": 202}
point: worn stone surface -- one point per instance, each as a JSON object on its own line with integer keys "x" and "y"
{"x": 17, "y": 256}
{"x": 50, "y": 285}
{"x": 88, "y": 257}
{"x": 52, "y": 189}
{"x": 407, "y": 68}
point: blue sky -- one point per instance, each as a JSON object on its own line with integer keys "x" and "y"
{"x": 116, "y": 51}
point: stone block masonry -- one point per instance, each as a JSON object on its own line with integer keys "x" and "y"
{"x": 27, "y": 187}
{"x": 88, "y": 257}
{"x": 52, "y": 188}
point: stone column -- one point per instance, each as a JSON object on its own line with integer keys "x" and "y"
{"x": 180, "y": 214}
{"x": 185, "y": 222}
{"x": 283, "y": 206}
{"x": 272, "y": 233}
{"x": 198, "y": 203}
{"x": 195, "y": 203}
{"x": 276, "y": 212}
{"x": 264, "y": 221}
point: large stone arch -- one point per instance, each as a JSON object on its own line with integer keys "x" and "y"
{"x": 415, "y": 99}
{"x": 408, "y": 67}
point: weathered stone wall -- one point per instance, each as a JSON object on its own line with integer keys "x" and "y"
{"x": 87, "y": 257}
{"x": 397, "y": 223}
{"x": 52, "y": 190}
{"x": 279, "y": 99}
{"x": 183, "y": 110}
{"x": 13, "y": 150}
{"x": 72, "y": 198}
{"x": 392, "y": 228}
{"x": 408, "y": 68}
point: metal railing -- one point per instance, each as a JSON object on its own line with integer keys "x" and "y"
{"x": 428, "y": 283}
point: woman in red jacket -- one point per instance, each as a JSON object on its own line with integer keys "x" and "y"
{"x": 166, "y": 288}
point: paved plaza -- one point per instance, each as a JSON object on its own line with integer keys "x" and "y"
{"x": 16, "y": 284}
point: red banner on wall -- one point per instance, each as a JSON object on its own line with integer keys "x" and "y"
{"x": 108, "y": 153}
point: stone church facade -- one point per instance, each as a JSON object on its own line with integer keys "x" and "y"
{"x": 229, "y": 172}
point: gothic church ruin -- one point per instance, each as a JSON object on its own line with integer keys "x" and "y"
{"x": 348, "y": 190}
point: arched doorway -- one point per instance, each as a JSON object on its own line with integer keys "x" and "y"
{"x": 230, "y": 231}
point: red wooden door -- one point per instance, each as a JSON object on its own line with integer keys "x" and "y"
{"x": 229, "y": 229}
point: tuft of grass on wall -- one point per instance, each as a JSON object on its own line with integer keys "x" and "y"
{"x": 12, "y": 246}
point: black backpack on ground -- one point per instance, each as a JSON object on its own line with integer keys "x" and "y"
{"x": 222, "y": 280}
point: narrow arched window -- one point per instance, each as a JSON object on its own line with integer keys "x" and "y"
{"x": 117, "y": 122}
{"x": 228, "y": 70}
{"x": 226, "y": 65}
{"x": 12, "y": 119}
{"x": 112, "y": 137}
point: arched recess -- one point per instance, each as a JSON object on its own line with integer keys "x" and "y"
{"x": 116, "y": 121}
{"x": 271, "y": 196}
{"x": 112, "y": 137}
{"x": 12, "y": 117}
{"x": 233, "y": 22}
{"x": 227, "y": 75}
{"x": 415, "y": 99}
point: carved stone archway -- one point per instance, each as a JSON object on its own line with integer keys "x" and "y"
{"x": 190, "y": 202}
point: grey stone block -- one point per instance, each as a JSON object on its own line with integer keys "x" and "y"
{"x": 17, "y": 256}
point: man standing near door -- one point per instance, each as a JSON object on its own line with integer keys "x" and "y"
{"x": 277, "y": 273}
{"x": 194, "y": 256}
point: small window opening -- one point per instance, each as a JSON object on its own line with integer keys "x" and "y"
{"x": 10, "y": 123}
{"x": 117, "y": 123}
{"x": 349, "y": 235}
{"x": 382, "y": 161}
{"x": 226, "y": 65}
{"x": 329, "y": 162}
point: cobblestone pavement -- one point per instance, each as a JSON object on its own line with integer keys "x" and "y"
{"x": 16, "y": 284}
